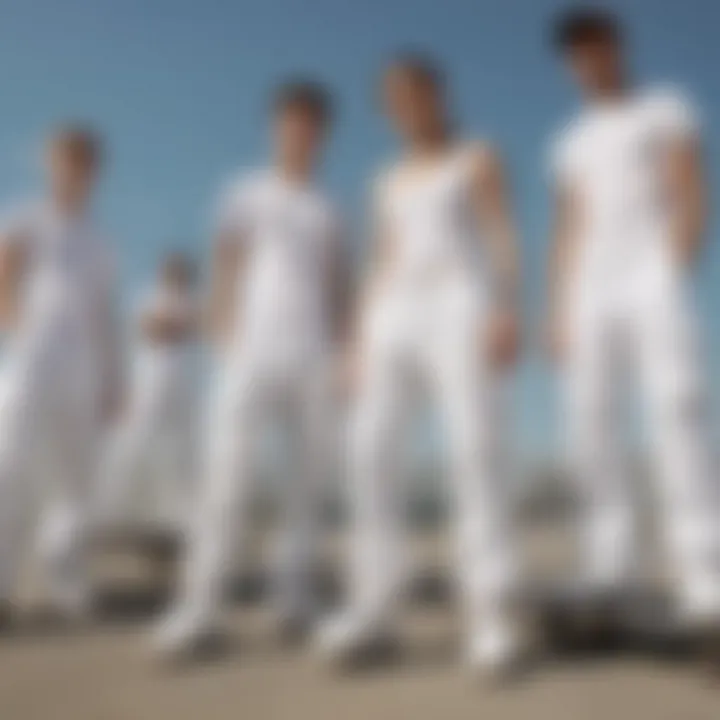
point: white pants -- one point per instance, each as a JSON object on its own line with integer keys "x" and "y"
{"x": 48, "y": 438}
{"x": 649, "y": 327}
{"x": 159, "y": 434}
{"x": 437, "y": 338}
{"x": 247, "y": 389}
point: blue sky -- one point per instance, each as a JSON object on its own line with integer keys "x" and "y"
{"x": 180, "y": 89}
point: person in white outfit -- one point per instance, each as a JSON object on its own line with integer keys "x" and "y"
{"x": 60, "y": 380}
{"x": 275, "y": 317}
{"x": 158, "y": 431}
{"x": 439, "y": 308}
{"x": 630, "y": 219}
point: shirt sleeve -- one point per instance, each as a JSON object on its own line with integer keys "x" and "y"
{"x": 677, "y": 115}
{"x": 232, "y": 213}
{"x": 17, "y": 223}
{"x": 558, "y": 158}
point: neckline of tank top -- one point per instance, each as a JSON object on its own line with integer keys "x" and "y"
{"x": 419, "y": 176}
{"x": 616, "y": 103}
{"x": 276, "y": 174}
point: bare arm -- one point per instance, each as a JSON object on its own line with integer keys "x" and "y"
{"x": 688, "y": 195}
{"x": 493, "y": 209}
{"x": 494, "y": 214}
{"x": 377, "y": 266}
{"x": 227, "y": 265}
{"x": 562, "y": 253}
{"x": 380, "y": 257}
{"x": 12, "y": 267}
{"x": 341, "y": 295}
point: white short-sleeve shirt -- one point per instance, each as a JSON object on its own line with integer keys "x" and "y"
{"x": 69, "y": 273}
{"x": 612, "y": 158}
{"x": 287, "y": 232}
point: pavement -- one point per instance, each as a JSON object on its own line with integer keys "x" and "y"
{"x": 106, "y": 670}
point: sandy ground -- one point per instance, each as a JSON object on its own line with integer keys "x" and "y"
{"x": 108, "y": 672}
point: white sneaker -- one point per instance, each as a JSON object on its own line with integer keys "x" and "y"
{"x": 699, "y": 605}
{"x": 698, "y": 614}
{"x": 181, "y": 633}
{"x": 496, "y": 654}
{"x": 350, "y": 640}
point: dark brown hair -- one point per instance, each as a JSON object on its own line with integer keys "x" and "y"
{"x": 80, "y": 142}
{"x": 580, "y": 26}
{"x": 304, "y": 94}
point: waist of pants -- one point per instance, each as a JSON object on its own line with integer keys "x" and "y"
{"x": 437, "y": 278}
{"x": 279, "y": 353}
{"x": 443, "y": 299}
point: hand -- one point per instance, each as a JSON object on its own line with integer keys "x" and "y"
{"x": 503, "y": 339}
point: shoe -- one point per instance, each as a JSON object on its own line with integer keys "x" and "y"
{"x": 497, "y": 656}
{"x": 586, "y": 622}
{"x": 710, "y": 651}
{"x": 704, "y": 644}
{"x": 700, "y": 621}
{"x": 351, "y": 643}
{"x": 185, "y": 636}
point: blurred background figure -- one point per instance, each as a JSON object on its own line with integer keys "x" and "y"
{"x": 439, "y": 308}
{"x": 157, "y": 433}
{"x": 630, "y": 219}
{"x": 273, "y": 312}
{"x": 59, "y": 383}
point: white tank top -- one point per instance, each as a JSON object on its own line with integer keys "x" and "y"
{"x": 430, "y": 224}
{"x": 288, "y": 232}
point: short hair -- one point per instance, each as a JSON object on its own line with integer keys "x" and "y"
{"x": 420, "y": 66}
{"x": 180, "y": 263}
{"x": 81, "y": 142}
{"x": 584, "y": 25}
{"x": 304, "y": 94}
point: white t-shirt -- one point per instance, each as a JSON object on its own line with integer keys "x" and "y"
{"x": 288, "y": 232}
{"x": 67, "y": 293}
{"x": 612, "y": 158}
